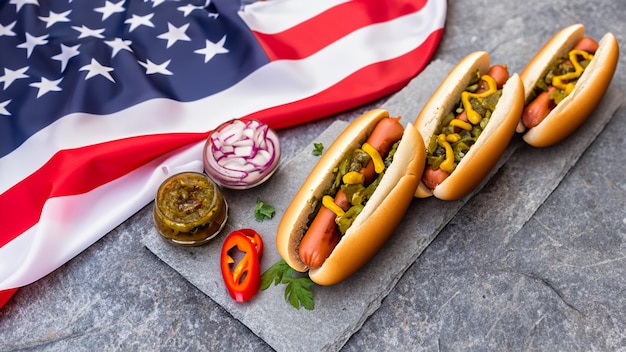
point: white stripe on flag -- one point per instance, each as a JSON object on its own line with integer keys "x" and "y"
{"x": 300, "y": 79}
{"x": 276, "y": 16}
{"x": 69, "y": 225}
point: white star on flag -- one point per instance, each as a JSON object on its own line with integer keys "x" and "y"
{"x": 156, "y": 3}
{"x": 95, "y": 68}
{"x": 152, "y": 68}
{"x": 20, "y": 3}
{"x": 137, "y": 21}
{"x": 189, "y": 8}
{"x": 211, "y": 49}
{"x": 175, "y": 34}
{"x": 118, "y": 44}
{"x": 4, "y": 111}
{"x": 54, "y": 17}
{"x": 10, "y": 76}
{"x": 46, "y": 86}
{"x": 31, "y": 42}
{"x": 67, "y": 52}
{"x": 110, "y": 8}
{"x": 88, "y": 32}
{"x": 7, "y": 30}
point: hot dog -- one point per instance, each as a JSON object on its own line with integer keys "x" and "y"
{"x": 466, "y": 125}
{"x": 564, "y": 82}
{"x": 333, "y": 226}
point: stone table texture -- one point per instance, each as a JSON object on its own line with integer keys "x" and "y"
{"x": 533, "y": 261}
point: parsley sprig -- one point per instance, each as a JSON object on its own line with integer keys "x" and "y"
{"x": 298, "y": 290}
{"x": 263, "y": 211}
{"x": 318, "y": 149}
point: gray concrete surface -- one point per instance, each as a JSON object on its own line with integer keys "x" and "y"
{"x": 488, "y": 281}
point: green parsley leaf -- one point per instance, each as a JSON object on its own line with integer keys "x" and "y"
{"x": 274, "y": 274}
{"x": 318, "y": 148}
{"x": 298, "y": 293}
{"x": 298, "y": 290}
{"x": 263, "y": 211}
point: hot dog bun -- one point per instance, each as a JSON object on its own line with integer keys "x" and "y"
{"x": 568, "y": 115}
{"x": 379, "y": 217}
{"x": 492, "y": 142}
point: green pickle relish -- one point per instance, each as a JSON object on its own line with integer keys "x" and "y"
{"x": 189, "y": 209}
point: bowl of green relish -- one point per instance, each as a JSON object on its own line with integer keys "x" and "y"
{"x": 189, "y": 209}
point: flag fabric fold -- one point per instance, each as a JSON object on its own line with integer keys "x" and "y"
{"x": 101, "y": 100}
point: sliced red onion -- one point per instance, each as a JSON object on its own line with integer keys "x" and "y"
{"x": 241, "y": 153}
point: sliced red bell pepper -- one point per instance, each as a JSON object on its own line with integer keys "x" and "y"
{"x": 255, "y": 238}
{"x": 243, "y": 278}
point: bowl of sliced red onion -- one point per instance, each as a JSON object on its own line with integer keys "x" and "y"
{"x": 241, "y": 153}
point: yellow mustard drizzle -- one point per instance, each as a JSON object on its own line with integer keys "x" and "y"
{"x": 472, "y": 115}
{"x": 454, "y": 137}
{"x": 557, "y": 81}
{"x": 353, "y": 178}
{"x": 379, "y": 165}
{"x": 461, "y": 124}
{"x": 329, "y": 202}
{"x": 448, "y": 164}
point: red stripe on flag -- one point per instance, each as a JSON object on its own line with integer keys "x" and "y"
{"x": 313, "y": 35}
{"x": 76, "y": 171}
{"x": 5, "y": 295}
{"x": 356, "y": 89}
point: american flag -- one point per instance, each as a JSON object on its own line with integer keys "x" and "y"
{"x": 100, "y": 100}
